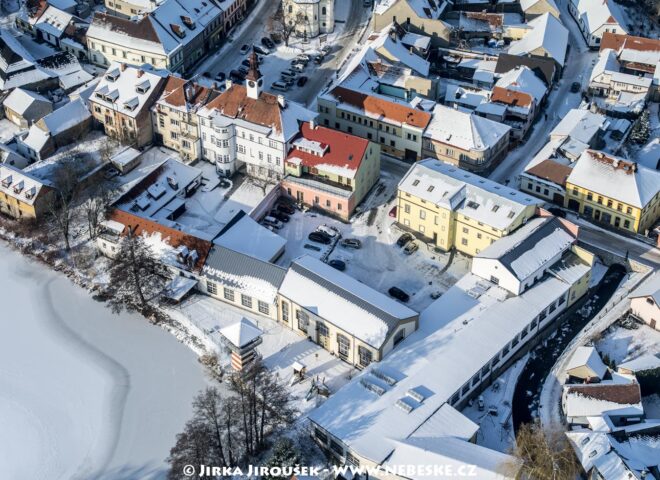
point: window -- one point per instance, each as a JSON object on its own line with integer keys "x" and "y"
{"x": 364, "y": 355}
{"x": 211, "y": 288}
{"x": 303, "y": 320}
{"x": 263, "y": 307}
{"x": 344, "y": 344}
{"x": 246, "y": 301}
{"x": 228, "y": 294}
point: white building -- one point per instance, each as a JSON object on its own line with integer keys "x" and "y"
{"x": 310, "y": 17}
{"x": 245, "y": 126}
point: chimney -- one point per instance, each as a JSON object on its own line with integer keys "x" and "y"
{"x": 281, "y": 100}
{"x": 140, "y": 72}
{"x": 122, "y": 66}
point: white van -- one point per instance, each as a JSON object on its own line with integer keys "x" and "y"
{"x": 281, "y": 86}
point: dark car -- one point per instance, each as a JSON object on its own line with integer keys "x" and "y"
{"x": 319, "y": 237}
{"x": 301, "y": 81}
{"x": 281, "y": 216}
{"x": 220, "y": 77}
{"x": 286, "y": 208}
{"x": 399, "y": 294}
{"x": 575, "y": 87}
{"x": 403, "y": 239}
{"x": 338, "y": 265}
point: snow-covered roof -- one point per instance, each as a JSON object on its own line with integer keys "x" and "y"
{"x": 546, "y": 32}
{"x": 343, "y": 301}
{"x": 579, "y": 124}
{"x": 587, "y": 357}
{"x": 474, "y": 196}
{"x": 465, "y": 130}
{"x": 246, "y": 236}
{"x": 523, "y": 79}
{"x": 615, "y": 178}
{"x": 66, "y": 117}
{"x": 126, "y": 89}
{"x": 20, "y": 100}
{"x": 466, "y": 326}
{"x": 19, "y": 184}
{"x": 249, "y": 275}
{"x": 533, "y": 246}
{"x": 641, "y": 363}
{"x": 241, "y": 333}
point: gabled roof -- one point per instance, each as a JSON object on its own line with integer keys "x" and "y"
{"x": 615, "y": 178}
{"x": 343, "y": 301}
{"x": 328, "y": 150}
{"x": 546, "y": 32}
{"x": 380, "y": 108}
{"x": 464, "y": 130}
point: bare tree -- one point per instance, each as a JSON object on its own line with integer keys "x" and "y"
{"x": 137, "y": 277}
{"x": 284, "y": 25}
{"x": 542, "y": 454}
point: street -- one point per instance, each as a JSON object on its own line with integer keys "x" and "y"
{"x": 577, "y": 68}
{"x": 253, "y": 29}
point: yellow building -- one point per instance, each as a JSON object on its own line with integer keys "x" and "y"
{"x": 22, "y": 195}
{"x": 614, "y": 191}
{"x": 454, "y": 208}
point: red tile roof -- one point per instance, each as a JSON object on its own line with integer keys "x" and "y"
{"x": 511, "y": 97}
{"x": 382, "y": 108}
{"x": 343, "y": 149}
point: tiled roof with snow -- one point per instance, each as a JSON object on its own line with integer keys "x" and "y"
{"x": 463, "y": 130}
{"x": 343, "y": 301}
{"x": 546, "y": 32}
{"x": 474, "y": 196}
{"x": 615, "y": 178}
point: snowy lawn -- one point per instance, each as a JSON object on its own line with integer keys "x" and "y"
{"x": 496, "y": 432}
{"x": 281, "y": 346}
{"x": 621, "y": 344}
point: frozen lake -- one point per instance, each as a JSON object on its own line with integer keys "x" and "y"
{"x": 84, "y": 394}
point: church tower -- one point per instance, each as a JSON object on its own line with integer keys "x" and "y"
{"x": 254, "y": 81}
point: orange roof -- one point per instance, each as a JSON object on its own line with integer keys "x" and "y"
{"x": 382, "y": 108}
{"x": 235, "y": 103}
{"x": 617, "y": 41}
{"x": 339, "y": 149}
{"x": 511, "y": 97}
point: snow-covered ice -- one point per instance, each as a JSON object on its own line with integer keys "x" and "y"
{"x": 84, "y": 393}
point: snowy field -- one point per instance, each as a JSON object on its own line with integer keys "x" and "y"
{"x": 84, "y": 393}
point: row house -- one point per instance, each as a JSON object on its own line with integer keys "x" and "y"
{"x": 330, "y": 170}
{"x": 595, "y": 18}
{"x": 454, "y": 208}
{"x": 464, "y": 139}
{"x": 174, "y": 115}
{"x": 245, "y": 126}
{"x": 614, "y": 191}
{"x": 122, "y": 100}
{"x": 175, "y": 36}
{"x": 394, "y": 125}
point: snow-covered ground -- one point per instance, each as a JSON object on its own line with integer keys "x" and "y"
{"x": 496, "y": 431}
{"x": 379, "y": 263}
{"x": 84, "y": 393}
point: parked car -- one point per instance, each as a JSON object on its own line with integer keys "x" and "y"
{"x": 286, "y": 208}
{"x": 351, "y": 243}
{"x": 399, "y": 294}
{"x": 410, "y": 248}
{"x": 268, "y": 43}
{"x": 403, "y": 239}
{"x": 281, "y": 216}
{"x": 220, "y": 77}
{"x": 393, "y": 212}
{"x": 302, "y": 80}
{"x": 575, "y": 87}
{"x": 319, "y": 237}
{"x": 331, "y": 232}
{"x": 337, "y": 264}
{"x": 245, "y": 49}
{"x": 272, "y": 222}
{"x": 261, "y": 50}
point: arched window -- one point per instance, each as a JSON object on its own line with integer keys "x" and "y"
{"x": 323, "y": 10}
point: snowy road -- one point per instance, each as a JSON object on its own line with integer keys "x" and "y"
{"x": 577, "y": 69}
{"x": 84, "y": 394}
